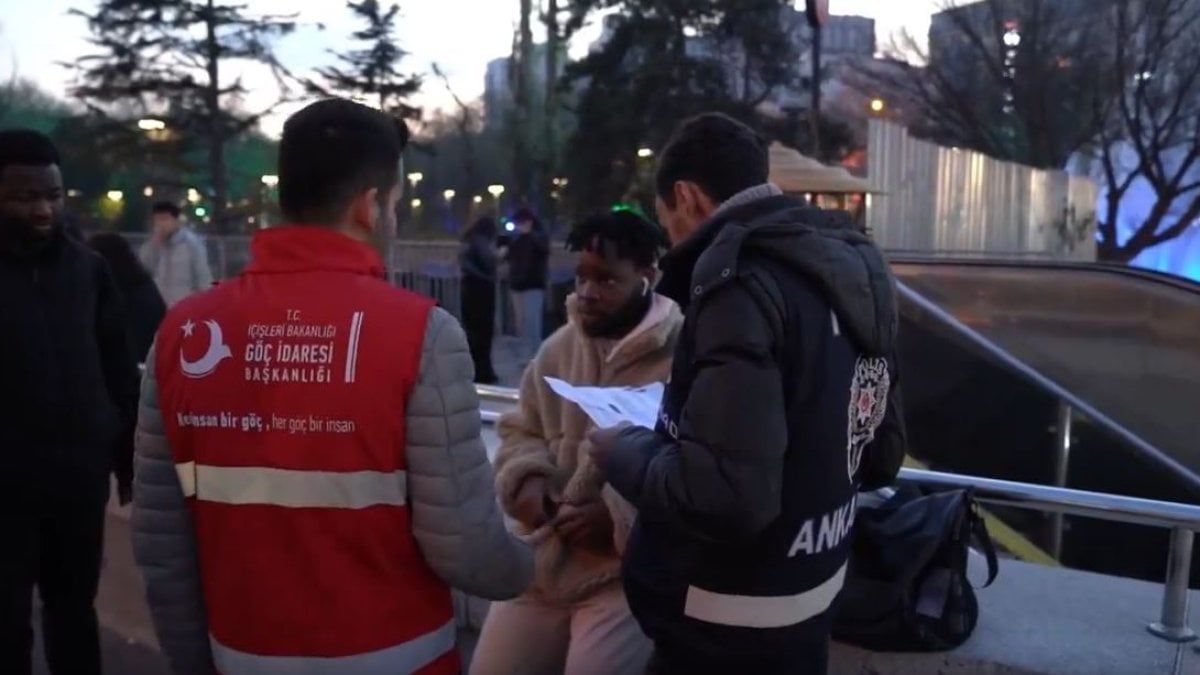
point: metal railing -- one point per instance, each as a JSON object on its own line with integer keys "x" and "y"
{"x": 1183, "y": 520}
{"x": 1072, "y": 403}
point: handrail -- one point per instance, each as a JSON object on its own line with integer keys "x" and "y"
{"x": 1140, "y": 274}
{"x": 1068, "y": 501}
{"x": 1049, "y": 386}
{"x": 488, "y": 392}
{"x": 1182, "y": 519}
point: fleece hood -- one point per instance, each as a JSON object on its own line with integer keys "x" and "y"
{"x": 823, "y": 246}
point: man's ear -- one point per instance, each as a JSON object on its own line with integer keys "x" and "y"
{"x": 364, "y": 209}
{"x": 693, "y": 201}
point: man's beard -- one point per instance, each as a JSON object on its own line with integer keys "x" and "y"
{"x": 19, "y": 237}
{"x": 624, "y": 320}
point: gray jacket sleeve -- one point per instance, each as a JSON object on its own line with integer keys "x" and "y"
{"x": 456, "y": 520}
{"x": 164, "y": 543}
{"x": 202, "y": 277}
{"x": 148, "y": 254}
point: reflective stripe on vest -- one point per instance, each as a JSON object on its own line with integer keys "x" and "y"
{"x": 757, "y": 611}
{"x": 292, "y": 488}
{"x": 401, "y": 659}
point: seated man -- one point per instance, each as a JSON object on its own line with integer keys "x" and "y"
{"x": 574, "y": 619}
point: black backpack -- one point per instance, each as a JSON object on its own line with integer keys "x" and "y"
{"x": 906, "y": 587}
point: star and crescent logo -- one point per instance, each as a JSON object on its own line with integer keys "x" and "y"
{"x": 217, "y": 351}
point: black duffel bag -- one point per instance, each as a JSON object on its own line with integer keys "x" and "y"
{"x": 906, "y": 587}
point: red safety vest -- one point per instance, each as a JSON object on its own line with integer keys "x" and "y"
{"x": 283, "y": 392}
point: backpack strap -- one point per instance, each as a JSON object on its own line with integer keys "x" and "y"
{"x": 978, "y": 533}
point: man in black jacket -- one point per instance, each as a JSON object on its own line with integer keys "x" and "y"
{"x": 68, "y": 398}
{"x": 528, "y": 262}
{"x": 782, "y": 405}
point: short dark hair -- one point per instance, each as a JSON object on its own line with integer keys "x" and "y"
{"x": 716, "y": 152}
{"x": 524, "y": 215}
{"x": 28, "y": 147}
{"x": 633, "y": 237}
{"x": 170, "y": 208}
{"x": 332, "y": 150}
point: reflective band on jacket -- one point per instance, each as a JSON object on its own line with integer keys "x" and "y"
{"x": 403, "y": 659}
{"x": 292, "y": 488}
{"x": 758, "y": 611}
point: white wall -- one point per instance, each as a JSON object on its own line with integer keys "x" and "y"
{"x": 949, "y": 200}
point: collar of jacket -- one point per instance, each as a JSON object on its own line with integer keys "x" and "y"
{"x": 655, "y": 331}
{"x": 299, "y": 248}
{"x": 824, "y": 247}
{"x": 679, "y": 264}
{"x": 33, "y": 253}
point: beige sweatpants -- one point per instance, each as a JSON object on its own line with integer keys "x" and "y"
{"x": 597, "y": 636}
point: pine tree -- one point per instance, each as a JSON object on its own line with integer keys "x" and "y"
{"x": 372, "y": 72}
{"x": 167, "y": 59}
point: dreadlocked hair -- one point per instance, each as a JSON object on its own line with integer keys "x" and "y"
{"x": 633, "y": 237}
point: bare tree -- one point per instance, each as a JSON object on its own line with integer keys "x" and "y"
{"x": 1039, "y": 81}
{"x": 1014, "y": 80}
{"x": 467, "y": 123}
{"x": 1151, "y": 129}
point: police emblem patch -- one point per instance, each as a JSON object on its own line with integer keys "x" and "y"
{"x": 868, "y": 402}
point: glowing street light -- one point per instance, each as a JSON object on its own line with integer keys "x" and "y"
{"x": 270, "y": 180}
{"x": 877, "y": 105}
{"x": 193, "y": 195}
{"x": 477, "y": 199}
{"x": 155, "y": 129}
{"x": 495, "y": 190}
{"x": 645, "y": 153}
{"x": 448, "y": 195}
{"x": 114, "y": 195}
{"x": 415, "y": 177}
{"x": 147, "y": 191}
{"x": 416, "y": 203}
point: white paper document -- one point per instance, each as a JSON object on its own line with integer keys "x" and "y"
{"x": 609, "y": 406}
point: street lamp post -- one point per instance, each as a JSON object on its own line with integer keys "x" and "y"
{"x": 448, "y": 198}
{"x": 496, "y": 191}
{"x": 415, "y": 178}
{"x": 269, "y": 182}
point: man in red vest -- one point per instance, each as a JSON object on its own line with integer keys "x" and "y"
{"x": 310, "y": 476}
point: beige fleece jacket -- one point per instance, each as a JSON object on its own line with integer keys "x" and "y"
{"x": 546, "y": 436}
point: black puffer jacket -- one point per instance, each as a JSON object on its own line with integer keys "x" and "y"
{"x": 783, "y": 403}
{"x": 528, "y": 262}
{"x": 68, "y": 385}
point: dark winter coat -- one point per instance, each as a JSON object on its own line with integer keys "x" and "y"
{"x": 528, "y": 262}
{"x": 783, "y": 403}
{"x": 68, "y": 385}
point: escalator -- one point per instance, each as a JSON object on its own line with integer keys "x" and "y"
{"x": 991, "y": 349}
